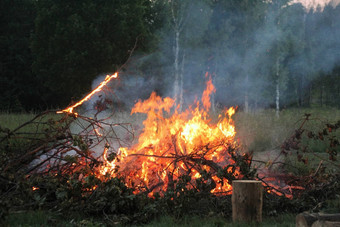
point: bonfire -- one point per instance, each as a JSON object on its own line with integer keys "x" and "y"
{"x": 174, "y": 146}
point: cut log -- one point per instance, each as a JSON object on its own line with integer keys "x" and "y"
{"x": 247, "y": 199}
{"x": 326, "y": 224}
{"x": 315, "y": 219}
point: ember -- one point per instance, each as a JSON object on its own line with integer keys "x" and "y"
{"x": 97, "y": 89}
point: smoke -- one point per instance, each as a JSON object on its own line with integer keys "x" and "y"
{"x": 247, "y": 50}
{"x": 121, "y": 93}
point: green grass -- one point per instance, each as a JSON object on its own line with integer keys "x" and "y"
{"x": 14, "y": 120}
{"x": 263, "y": 131}
{"x": 192, "y": 221}
{"x": 21, "y": 133}
{"x": 44, "y": 218}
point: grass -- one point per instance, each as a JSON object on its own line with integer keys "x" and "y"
{"x": 24, "y": 136}
{"x": 45, "y": 218}
{"x": 14, "y": 120}
{"x": 283, "y": 220}
{"x": 263, "y": 131}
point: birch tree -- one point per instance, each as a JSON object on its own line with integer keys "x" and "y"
{"x": 178, "y": 19}
{"x": 280, "y": 52}
{"x": 188, "y": 20}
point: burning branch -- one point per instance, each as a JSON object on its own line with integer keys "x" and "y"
{"x": 87, "y": 97}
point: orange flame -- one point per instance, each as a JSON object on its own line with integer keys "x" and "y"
{"x": 97, "y": 89}
{"x": 173, "y": 144}
{"x": 170, "y": 143}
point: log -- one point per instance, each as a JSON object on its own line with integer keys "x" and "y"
{"x": 326, "y": 224}
{"x": 316, "y": 219}
{"x": 247, "y": 199}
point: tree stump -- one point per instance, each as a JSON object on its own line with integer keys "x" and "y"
{"x": 247, "y": 199}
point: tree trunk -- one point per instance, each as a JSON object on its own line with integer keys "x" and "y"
{"x": 302, "y": 103}
{"x": 176, "y": 68}
{"x": 297, "y": 93}
{"x": 321, "y": 96}
{"x": 277, "y": 88}
{"x": 181, "y": 98}
{"x": 246, "y": 96}
{"x": 277, "y": 100}
{"x": 310, "y": 97}
{"x": 256, "y": 104}
{"x": 338, "y": 99}
{"x": 247, "y": 200}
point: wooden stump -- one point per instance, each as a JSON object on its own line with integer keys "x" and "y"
{"x": 247, "y": 199}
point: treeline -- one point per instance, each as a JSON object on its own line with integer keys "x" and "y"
{"x": 52, "y": 50}
{"x": 259, "y": 53}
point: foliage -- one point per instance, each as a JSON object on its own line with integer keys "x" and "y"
{"x": 16, "y": 77}
{"x": 328, "y": 134}
{"x": 52, "y": 50}
{"x": 319, "y": 181}
{"x": 83, "y": 39}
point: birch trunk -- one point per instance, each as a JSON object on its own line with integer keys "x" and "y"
{"x": 246, "y": 96}
{"x": 177, "y": 19}
{"x": 321, "y": 96}
{"x": 277, "y": 100}
{"x": 181, "y": 98}
{"x": 176, "y": 68}
{"x": 246, "y": 93}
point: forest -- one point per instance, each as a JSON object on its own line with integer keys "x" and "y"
{"x": 261, "y": 54}
{"x": 169, "y": 112}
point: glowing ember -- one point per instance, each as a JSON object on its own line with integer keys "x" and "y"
{"x": 97, "y": 89}
{"x": 35, "y": 188}
{"x": 173, "y": 144}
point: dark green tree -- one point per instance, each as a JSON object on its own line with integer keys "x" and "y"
{"x": 18, "y": 85}
{"x": 77, "y": 40}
